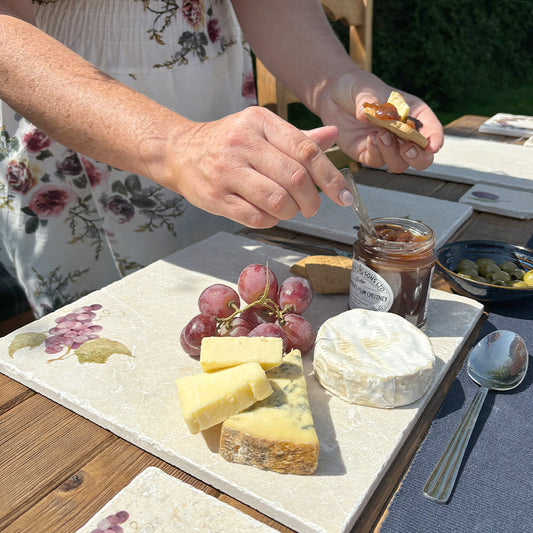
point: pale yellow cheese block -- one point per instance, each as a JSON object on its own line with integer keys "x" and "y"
{"x": 223, "y": 352}
{"x": 208, "y": 399}
{"x": 277, "y": 433}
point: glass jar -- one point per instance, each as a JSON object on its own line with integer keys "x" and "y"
{"x": 393, "y": 272}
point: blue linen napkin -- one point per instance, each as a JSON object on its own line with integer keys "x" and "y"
{"x": 494, "y": 489}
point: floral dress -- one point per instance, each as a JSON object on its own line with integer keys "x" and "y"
{"x": 69, "y": 224}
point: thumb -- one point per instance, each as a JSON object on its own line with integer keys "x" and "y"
{"x": 325, "y": 136}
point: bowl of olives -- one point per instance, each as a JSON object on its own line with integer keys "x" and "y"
{"x": 487, "y": 271}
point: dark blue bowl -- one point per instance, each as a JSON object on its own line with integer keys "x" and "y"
{"x": 450, "y": 254}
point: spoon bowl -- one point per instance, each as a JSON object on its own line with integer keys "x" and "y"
{"x": 497, "y": 362}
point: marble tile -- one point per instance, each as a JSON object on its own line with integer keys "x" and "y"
{"x": 124, "y": 381}
{"x": 155, "y": 501}
{"x": 500, "y": 200}
{"x": 340, "y": 223}
{"x": 467, "y": 160}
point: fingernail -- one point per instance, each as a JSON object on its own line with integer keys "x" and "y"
{"x": 346, "y": 198}
{"x": 386, "y": 139}
{"x": 411, "y": 153}
{"x": 374, "y": 140}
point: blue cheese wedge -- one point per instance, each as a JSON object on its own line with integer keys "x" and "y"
{"x": 223, "y": 352}
{"x": 278, "y": 433}
{"x": 208, "y": 399}
{"x": 373, "y": 358}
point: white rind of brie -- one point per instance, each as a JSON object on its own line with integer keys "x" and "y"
{"x": 373, "y": 358}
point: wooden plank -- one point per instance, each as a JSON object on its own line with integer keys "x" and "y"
{"x": 41, "y": 442}
{"x": 254, "y": 514}
{"x": 487, "y": 226}
{"x": 15, "y": 322}
{"x": 11, "y": 393}
{"x": 85, "y": 491}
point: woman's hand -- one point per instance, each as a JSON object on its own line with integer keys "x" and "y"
{"x": 254, "y": 168}
{"x": 372, "y": 146}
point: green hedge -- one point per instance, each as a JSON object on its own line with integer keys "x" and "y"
{"x": 446, "y": 51}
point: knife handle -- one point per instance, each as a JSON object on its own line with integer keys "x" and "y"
{"x": 442, "y": 480}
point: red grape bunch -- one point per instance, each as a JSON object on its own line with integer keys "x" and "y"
{"x": 261, "y": 307}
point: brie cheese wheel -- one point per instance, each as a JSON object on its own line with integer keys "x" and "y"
{"x": 373, "y": 358}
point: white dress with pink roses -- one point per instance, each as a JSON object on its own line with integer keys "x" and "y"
{"x": 70, "y": 225}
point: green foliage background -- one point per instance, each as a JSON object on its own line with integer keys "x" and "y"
{"x": 460, "y": 56}
{"x": 451, "y": 52}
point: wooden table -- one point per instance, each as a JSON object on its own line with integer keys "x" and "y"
{"x": 57, "y": 469}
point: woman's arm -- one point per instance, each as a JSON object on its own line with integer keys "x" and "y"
{"x": 74, "y": 102}
{"x": 251, "y": 167}
{"x": 296, "y": 43}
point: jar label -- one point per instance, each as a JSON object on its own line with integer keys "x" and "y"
{"x": 368, "y": 290}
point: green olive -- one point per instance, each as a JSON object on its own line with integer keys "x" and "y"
{"x": 508, "y": 266}
{"x": 485, "y": 261}
{"x": 499, "y": 275}
{"x": 488, "y": 268}
{"x": 499, "y": 283}
{"x": 479, "y": 278}
{"x": 517, "y": 274}
{"x": 465, "y": 264}
{"x": 467, "y": 273}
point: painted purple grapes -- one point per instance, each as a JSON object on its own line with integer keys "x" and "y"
{"x": 73, "y": 329}
{"x": 110, "y": 524}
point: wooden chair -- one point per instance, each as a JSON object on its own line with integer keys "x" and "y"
{"x": 357, "y": 14}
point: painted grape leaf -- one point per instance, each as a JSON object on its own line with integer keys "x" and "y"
{"x": 25, "y": 340}
{"x": 99, "y": 350}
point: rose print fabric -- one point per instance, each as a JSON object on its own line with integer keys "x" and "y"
{"x": 70, "y": 225}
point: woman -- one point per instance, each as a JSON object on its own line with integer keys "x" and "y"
{"x": 129, "y": 131}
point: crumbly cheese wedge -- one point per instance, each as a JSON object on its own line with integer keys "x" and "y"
{"x": 278, "y": 433}
{"x": 397, "y": 100}
{"x": 373, "y": 358}
{"x": 223, "y": 352}
{"x": 208, "y": 399}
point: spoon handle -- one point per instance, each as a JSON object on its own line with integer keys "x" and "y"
{"x": 442, "y": 480}
{"x": 358, "y": 206}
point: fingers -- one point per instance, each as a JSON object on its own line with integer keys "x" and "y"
{"x": 383, "y": 148}
{"x": 325, "y": 137}
{"x": 256, "y": 168}
{"x": 305, "y": 167}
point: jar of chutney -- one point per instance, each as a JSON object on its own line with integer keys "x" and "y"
{"x": 393, "y": 271}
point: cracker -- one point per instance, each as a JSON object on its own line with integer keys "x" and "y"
{"x": 298, "y": 269}
{"x": 328, "y": 274}
{"x": 399, "y": 129}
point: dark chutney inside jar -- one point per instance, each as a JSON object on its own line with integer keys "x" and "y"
{"x": 403, "y": 256}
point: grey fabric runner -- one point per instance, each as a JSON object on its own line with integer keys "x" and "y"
{"x": 494, "y": 489}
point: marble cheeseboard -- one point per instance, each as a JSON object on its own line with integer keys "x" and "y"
{"x": 127, "y": 386}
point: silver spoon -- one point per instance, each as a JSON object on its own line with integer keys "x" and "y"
{"x": 358, "y": 206}
{"x": 497, "y": 362}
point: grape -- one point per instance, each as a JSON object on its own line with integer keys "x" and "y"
{"x": 257, "y": 314}
{"x": 269, "y": 330}
{"x": 219, "y": 300}
{"x": 300, "y": 333}
{"x": 193, "y": 351}
{"x": 239, "y": 327}
{"x": 197, "y": 328}
{"x": 297, "y": 293}
{"x": 252, "y": 283}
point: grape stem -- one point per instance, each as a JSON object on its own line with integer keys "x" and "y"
{"x": 63, "y": 356}
{"x": 262, "y": 301}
